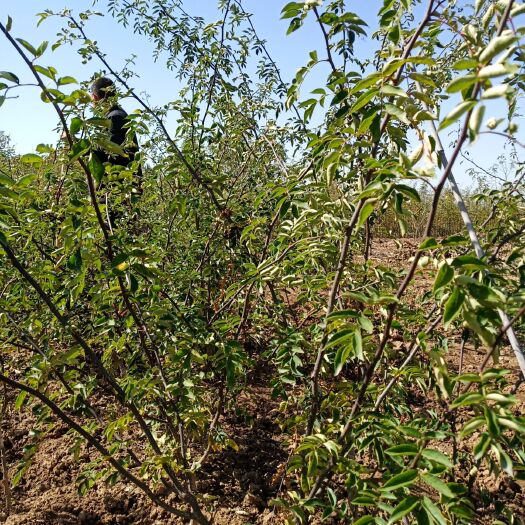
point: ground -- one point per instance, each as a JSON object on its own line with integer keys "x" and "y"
{"x": 240, "y": 483}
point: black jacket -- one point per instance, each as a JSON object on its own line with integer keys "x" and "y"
{"x": 117, "y": 134}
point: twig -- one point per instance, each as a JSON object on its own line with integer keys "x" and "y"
{"x": 94, "y": 443}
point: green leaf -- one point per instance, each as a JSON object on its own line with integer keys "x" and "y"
{"x": 404, "y": 479}
{"x": 9, "y": 76}
{"x": 28, "y": 46}
{"x": 496, "y": 46}
{"x": 485, "y": 295}
{"x": 422, "y": 115}
{"x": 513, "y": 423}
{"x": 96, "y": 167}
{"x": 392, "y": 66}
{"x": 32, "y": 158}
{"x": 365, "y": 212}
{"x": 497, "y": 91}
{"x": 75, "y": 261}
{"x": 453, "y": 306}
{"x": 407, "y": 449}
{"x": 423, "y": 79}
{"x": 340, "y": 337}
{"x": 428, "y": 243}
{"x": 26, "y": 180}
{"x": 492, "y": 421}
{"x": 406, "y": 506}
{"x": 409, "y": 191}
{"x": 366, "y": 324}
{"x": 473, "y": 323}
{"x": 6, "y": 192}
{"x": 505, "y": 461}
{"x": 437, "y": 457}
{"x": 66, "y": 80}
{"x": 358, "y": 344}
{"x": 481, "y": 446}
{"x": 340, "y": 359}
{"x": 456, "y": 113}
{"x": 364, "y": 520}
{"x": 471, "y": 426}
{"x": 461, "y": 83}
{"x": 454, "y": 240}
{"x": 365, "y": 83}
{"x": 397, "y": 112}
{"x": 342, "y": 314}
{"x": 496, "y": 70}
{"x": 468, "y": 262}
{"x": 20, "y": 398}
{"x": 363, "y": 100}
{"x": 75, "y": 126}
{"x": 476, "y": 118}
{"x": 438, "y": 484}
{"x": 44, "y": 71}
{"x": 465, "y": 63}
{"x": 393, "y": 91}
{"x": 467, "y": 399}
{"x": 111, "y": 147}
{"x": 444, "y": 276}
{"x": 42, "y": 48}
{"x": 9, "y": 24}
{"x": 434, "y": 511}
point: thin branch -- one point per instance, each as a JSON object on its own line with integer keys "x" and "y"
{"x": 104, "y": 452}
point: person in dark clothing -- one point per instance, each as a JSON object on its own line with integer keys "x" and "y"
{"x": 104, "y": 95}
{"x": 103, "y": 89}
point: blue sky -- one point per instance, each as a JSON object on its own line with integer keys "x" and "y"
{"x": 29, "y": 122}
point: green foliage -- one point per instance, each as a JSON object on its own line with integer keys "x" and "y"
{"x": 245, "y": 248}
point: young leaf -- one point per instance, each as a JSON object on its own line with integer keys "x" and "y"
{"x": 366, "y": 211}
{"x": 475, "y": 119}
{"x": 461, "y": 83}
{"x": 28, "y": 46}
{"x": 434, "y": 511}
{"x": 496, "y": 46}
{"x": 438, "y": 485}
{"x": 456, "y": 113}
{"x": 62, "y": 81}
{"x": 437, "y": 457}
{"x": 469, "y": 398}
{"x": 496, "y": 70}
{"x": 31, "y": 158}
{"x": 393, "y": 91}
{"x": 444, "y": 276}
{"x": 453, "y": 306}
{"x": 96, "y": 167}
{"x": 497, "y": 91}
{"x": 406, "y": 506}
{"x": 9, "y": 76}
{"x": 407, "y": 449}
{"x": 404, "y": 479}
{"x": 365, "y": 520}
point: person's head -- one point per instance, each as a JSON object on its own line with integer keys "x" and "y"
{"x": 102, "y": 88}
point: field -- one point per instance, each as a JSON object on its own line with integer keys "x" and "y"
{"x": 263, "y": 297}
{"x": 241, "y": 482}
